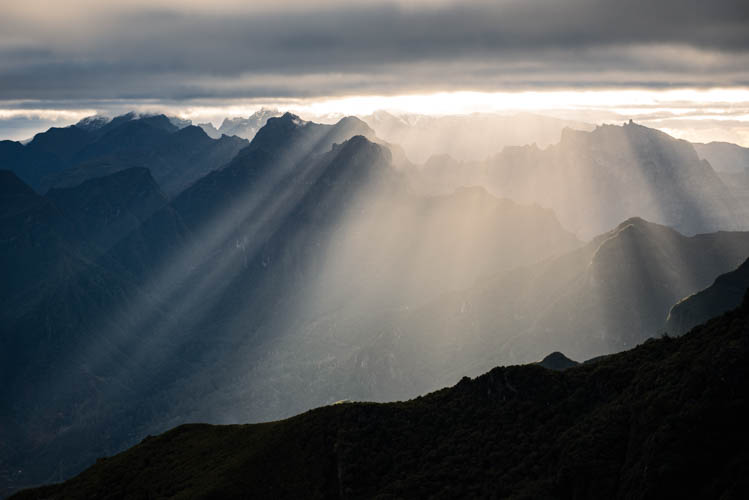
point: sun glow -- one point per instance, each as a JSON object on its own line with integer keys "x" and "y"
{"x": 692, "y": 113}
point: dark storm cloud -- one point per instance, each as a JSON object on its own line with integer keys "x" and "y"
{"x": 163, "y": 52}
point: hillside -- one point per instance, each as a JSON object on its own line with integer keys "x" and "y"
{"x": 665, "y": 419}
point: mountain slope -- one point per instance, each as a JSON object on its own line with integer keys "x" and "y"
{"x": 301, "y": 259}
{"x": 666, "y": 419}
{"x": 70, "y": 322}
{"x": 108, "y": 208}
{"x": 176, "y": 157}
{"x": 723, "y": 295}
{"x": 605, "y": 297}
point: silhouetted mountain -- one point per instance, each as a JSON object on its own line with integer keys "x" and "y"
{"x": 70, "y": 316}
{"x": 307, "y": 137}
{"x": 724, "y": 156}
{"x": 37, "y": 240}
{"x": 63, "y": 143}
{"x": 664, "y": 420}
{"x": 723, "y": 295}
{"x": 93, "y": 310}
{"x": 557, "y": 361}
{"x": 108, "y": 208}
{"x": 313, "y": 248}
{"x": 177, "y": 155}
{"x": 30, "y": 165}
{"x": 305, "y": 270}
{"x": 272, "y": 159}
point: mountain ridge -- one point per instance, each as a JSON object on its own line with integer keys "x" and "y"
{"x": 517, "y": 431}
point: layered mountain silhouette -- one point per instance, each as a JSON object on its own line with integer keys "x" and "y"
{"x": 723, "y": 295}
{"x": 470, "y": 137}
{"x": 607, "y": 296}
{"x": 169, "y": 278}
{"x": 61, "y": 296}
{"x": 64, "y": 157}
{"x": 665, "y": 419}
{"x": 593, "y": 180}
{"x": 167, "y": 295}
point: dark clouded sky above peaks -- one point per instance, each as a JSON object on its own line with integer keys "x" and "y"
{"x": 175, "y": 50}
{"x": 81, "y": 54}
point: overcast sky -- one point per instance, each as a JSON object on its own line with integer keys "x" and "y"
{"x": 81, "y": 55}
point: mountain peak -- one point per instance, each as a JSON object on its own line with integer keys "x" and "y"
{"x": 352, "y": 125}
{"x": 290, "y": 117}
{"x": 357, "y": 144}
{"x": 93, "y": 122}
{"x": 557, "y": 361}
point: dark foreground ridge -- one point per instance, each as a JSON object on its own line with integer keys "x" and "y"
{"x": 667, "y": 419}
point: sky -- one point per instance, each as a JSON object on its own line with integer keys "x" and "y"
{"x": 679, "y": 65}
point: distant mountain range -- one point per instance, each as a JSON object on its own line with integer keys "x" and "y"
{"x": 469, "y": 137}
{"x": 594, "y": 180}
{"x": 664, "y": 420}
{"x": 166, "y": 277}
{"x": 64, "y": 157}
{"x": 161, "y": 296}
{"x": 241, "y": 127}
{"x": 607, "y": 296}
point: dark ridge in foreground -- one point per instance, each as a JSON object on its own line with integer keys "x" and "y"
{"x": 666, "y": 419}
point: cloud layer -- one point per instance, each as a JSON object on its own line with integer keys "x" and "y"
{"x": 166, "y": 50}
